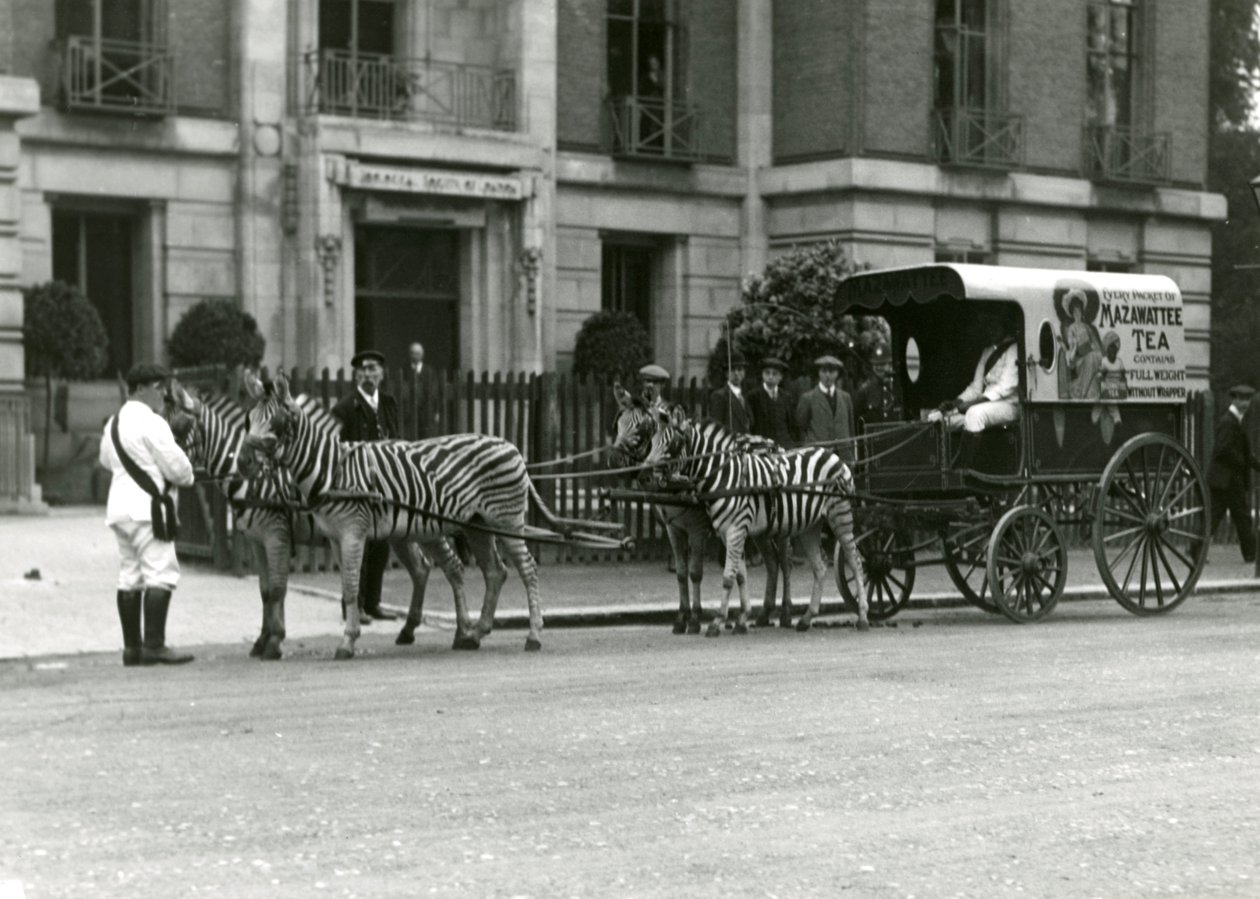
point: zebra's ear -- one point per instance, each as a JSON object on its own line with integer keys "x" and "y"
{"x": 280, "y": 384}
{"x": 251, "y": 386}
{"x": 677, "y": 416}
{"x": 622, "y": 396}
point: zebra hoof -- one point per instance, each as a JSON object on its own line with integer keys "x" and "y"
{"x": 343, "y": 654}
{"x": 762, "y": 621}
{"x": 693, "y": 627}
{"x": 680, "y": 627}
{"x": 714, "y": 630}
{"x": 803, "y": 625}
{"x": 532, "y": 644}
{"x": 863, "y": 625}
{"x": 466, "y": 641}
{"x": 256, "y": 651}
{"x": 272, "y": 653}
{"x": 405, "y": 637}
{"x": 741, "y": 628}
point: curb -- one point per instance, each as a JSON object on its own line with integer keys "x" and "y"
{"x": 613, "y": 616}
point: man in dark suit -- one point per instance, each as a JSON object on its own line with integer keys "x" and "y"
{"x": 1229, "y": 474}
{"x": 428, "y": 394}
{"x": 727, "y": 405}
{"x": 824, "y": 415}
{"x": 368, "y": 413}
{"x": 878, "y": 400}
{"x": 771, "y": 405}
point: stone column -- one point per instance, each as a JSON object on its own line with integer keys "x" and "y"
{"x": 19, "y": 98}
{"x": 756, "y": 58}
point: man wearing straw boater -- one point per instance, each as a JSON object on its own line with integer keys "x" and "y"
{"x": 140, "y": 450}
{"x": 824, "y": 415}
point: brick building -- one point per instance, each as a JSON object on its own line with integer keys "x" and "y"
{"x": 485, "y": 174}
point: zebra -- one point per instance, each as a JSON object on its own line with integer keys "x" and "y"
{"x": 688, "y": 527}
{"x": 743, "y": 494}
{"x": 265, "y": 507}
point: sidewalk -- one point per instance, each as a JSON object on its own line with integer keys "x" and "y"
{"x": 70, "y": 608}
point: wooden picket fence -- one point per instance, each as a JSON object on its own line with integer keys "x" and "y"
{"x": 549, "y": 417}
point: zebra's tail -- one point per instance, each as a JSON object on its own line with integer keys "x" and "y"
{"x": 568, "y": 524}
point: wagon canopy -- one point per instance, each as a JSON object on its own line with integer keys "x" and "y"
{"x": 1087, "y": 336}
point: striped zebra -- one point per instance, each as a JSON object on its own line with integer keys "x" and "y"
{"x": 743, "y": 494}
{"x": 688, "y": 527}
{"x": 427, "y": 489}
{"x": 265, "y": 508}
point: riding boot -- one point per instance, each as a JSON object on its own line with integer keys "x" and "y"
{"x": 155, "y": 651}
{"x": 129, "y": 604}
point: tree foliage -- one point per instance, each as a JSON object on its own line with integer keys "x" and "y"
{"x": 612, "y": 345}
{"x": 216, "y": 332}
{"x": 1235, "y": 56}
{"x": 63, "y": 334}
{"x": 787, "y": 310}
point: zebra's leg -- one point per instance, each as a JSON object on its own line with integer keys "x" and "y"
{"x": 521, "y": 558}
{"x": 811, "y": 546}
{"x": 418, "y": 568}
{"x": 259, "y": 553}
{"x": 695, "y": 537}
{"x": 493, "y": 573}
{"x": 783, "y": 546}
{"x": 733, "y": 539}
{"x": 278, "y": 549}
{"x": 678, "y": 551}
{"x": 352, "y": 543}
{"x": 769, "y": 548}
{"x": 841, "y": 520}
{"x": 448, "y": 560}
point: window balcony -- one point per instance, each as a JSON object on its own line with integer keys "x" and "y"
{"x": 978, "y": 138}
{"x": 1126, "y": 155}
{"x": 375, "y": 86}
{"x": 114, "y": 75}
{"x": 650, "y": 128}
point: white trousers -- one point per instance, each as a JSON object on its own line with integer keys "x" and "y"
{"x": 983, "y": 415}
{"x": 146, "y": 561}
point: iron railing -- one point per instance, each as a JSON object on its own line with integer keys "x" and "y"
{"x": 106, "y": 74}
{"x": 980, "y": 138}
{"x": 378, "y": 86}
{"x": 1126, "y": 155}
{"x": 648, "y": 127}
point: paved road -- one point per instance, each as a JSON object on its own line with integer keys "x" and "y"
{"x": 1094, "y": 754}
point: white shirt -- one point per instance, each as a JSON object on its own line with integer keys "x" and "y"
{"x": 146, "y": 438}
{"x": 372, "y": 399}
{"x": 1000, "y": 383}
{"x": 1233, "y": 410}
{"x": 417, "y": 367}
{"x": 772, "y": 392}
{"x": 735, "y": 390}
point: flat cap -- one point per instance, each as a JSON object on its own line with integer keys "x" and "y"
{"x": 828, "y": 361}
{"x": 362, "y": 356}
{"x": 1242, "y": 391}
{"x": 653, "y": 373}
{"x": 773, "y": 362}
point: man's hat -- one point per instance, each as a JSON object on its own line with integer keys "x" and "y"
{"x": 653, "y": 373}
{"x": 146, "y": 373}
{"x": 362, "y": 356}
{"x": 880, "y": 355}
{"x": 773, "y": 362}
{"x": 828, "y": 362}
{"x": 736, "y": 360}
{"x": 1242, "y": 391}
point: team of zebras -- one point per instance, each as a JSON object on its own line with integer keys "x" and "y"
{"x": 290, "y": 479}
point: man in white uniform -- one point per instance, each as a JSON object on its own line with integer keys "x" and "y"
{"x": 992, "y": 396}
{"x": 149, "y": 571}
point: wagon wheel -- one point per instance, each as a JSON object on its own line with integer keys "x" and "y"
{"x": 888, "y": 557}
{"x": 966, "y": 547}
{"x": 1151, "y": 526}
{"x": 1027, "y": 564}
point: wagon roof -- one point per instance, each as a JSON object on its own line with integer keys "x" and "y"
{"x": 924, "y": 283}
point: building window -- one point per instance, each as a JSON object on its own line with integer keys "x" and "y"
{"x": 626, "y": 280}
{"x": 645, "y": 59}
{"x": 969, "y": 256}
{"x": 971, "y": 127}
{"x": 1117, "y": 145}
{"x": 94, "y": 252}
{"x": 1108, "y": 265}
{"x": 357, "y": 26}
{"x": 115, "y": 55}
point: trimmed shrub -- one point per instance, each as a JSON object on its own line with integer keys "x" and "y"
{"x": 62, "y": 333}
{"x": 612, "y": 345}
{"x": 216, "y": 332}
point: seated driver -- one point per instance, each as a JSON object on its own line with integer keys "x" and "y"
{"x": 992, "y": 396}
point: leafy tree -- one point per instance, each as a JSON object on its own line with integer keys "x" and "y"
{"x": 787, "y": 310}
{"x": 612, "y": 345}
{"x": 216, "y": 332}
{"x": 1234, "y": 60}
{"x": 64, "y": 339}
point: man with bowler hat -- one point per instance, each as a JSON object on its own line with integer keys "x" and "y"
{"x": 368, "y": 413}
{"x": 1229, "y": 474}
{"x": 771, "y": 405}
{"x": 824, "y": 415}
{"x": 728, "y": 405}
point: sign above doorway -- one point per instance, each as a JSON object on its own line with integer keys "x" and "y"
{"x": 407, "y": 179}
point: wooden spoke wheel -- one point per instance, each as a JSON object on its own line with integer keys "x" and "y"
{"x": 888, "y": 557}
{"x": 1027, "y": 564}
{"x": 966, "y": 549}
{"x": 1151, "y": 525}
